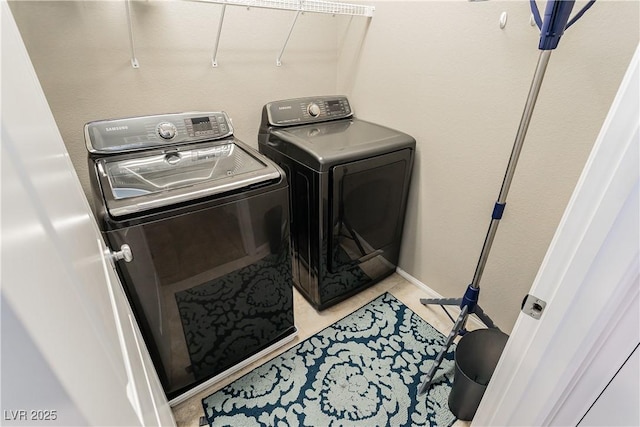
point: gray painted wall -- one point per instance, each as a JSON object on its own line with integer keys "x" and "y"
{"x": 442, "y": 71}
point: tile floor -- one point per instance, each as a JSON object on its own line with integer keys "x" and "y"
{"x": 309, "y": 321}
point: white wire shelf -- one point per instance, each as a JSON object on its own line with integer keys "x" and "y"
{"x": 299, "y": 6}
{"x": 313, "y": 6}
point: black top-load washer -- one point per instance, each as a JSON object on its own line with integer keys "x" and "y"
{"x": 200, "y": 224}
{"x": 349, "y": 181}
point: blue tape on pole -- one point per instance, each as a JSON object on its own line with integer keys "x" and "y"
{"x": 470, "y": 299}
{"x": 498, "y": 210}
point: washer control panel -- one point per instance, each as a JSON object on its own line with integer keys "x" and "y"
{"x": 307, "y": 110}
{"x": 139, "y": 133}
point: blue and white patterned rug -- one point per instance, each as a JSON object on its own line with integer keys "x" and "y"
{"x": 363, "y": 370}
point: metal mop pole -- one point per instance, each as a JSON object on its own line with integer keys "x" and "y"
{"x": 469, "y": 301}
{"x": 556, "y": 16}
{"x": 498, "y": 209}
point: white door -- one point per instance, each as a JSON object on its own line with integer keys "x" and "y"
{"x": 71, "y": 351}
{"x": 554, "y": 369}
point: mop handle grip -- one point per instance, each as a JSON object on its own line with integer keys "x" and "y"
{"x": 556, "y": 20}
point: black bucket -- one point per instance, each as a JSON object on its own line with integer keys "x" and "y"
{"x": 476, "y": 357}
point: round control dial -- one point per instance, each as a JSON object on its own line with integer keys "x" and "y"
{"x": 313, "y": 109}
{"x": 167, "y": 130}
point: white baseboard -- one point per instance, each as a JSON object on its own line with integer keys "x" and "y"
{"x": 430, "y": 292}
{"x": 454, "y": 311}
{"x": 200, "y": 387}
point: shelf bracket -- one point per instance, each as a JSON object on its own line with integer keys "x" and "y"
{"x": 293, "y": 24}
{"x": 134, "y": 60}
{"x": 214, "y": 58}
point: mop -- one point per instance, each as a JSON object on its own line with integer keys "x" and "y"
{"x": 556, "y": 20}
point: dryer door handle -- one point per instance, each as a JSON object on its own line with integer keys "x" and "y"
{"x": 370, "y": 255}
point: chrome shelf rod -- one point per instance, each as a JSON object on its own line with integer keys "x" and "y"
{"x": 293, "y": 24}
{"x": 214, "y": 58}
{"x": 134, "y": 60}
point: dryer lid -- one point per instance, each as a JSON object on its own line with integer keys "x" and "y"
{"x": 323, "y": 145}
{"x": 139, "y": 182}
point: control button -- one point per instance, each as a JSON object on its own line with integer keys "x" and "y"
{"x": 167, "y": 130}
{"x": 223, "y": 128}
{"x": 313, "y": 109}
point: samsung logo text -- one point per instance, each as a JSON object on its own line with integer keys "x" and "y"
{"x": 114, "y": 128}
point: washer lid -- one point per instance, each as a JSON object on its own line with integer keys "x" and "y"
{"x": 323, "y": 145}
{"x": 143, "y": 181}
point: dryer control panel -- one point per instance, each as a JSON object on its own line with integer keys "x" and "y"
{"x": 299, "y": 111}
{"x": 138, "y": 133}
